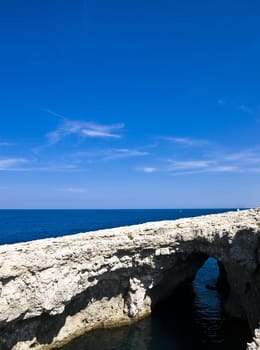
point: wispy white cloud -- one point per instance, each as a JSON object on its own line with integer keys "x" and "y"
{"x": 6, "y": 144}
{"x": 26, "y": 165}
{"x": 252, "y": 170}
{"x": 118, "y": 153}
{"x": 176, "y": 165}
{"x": 50, "y": 168}
{"x": 223, "y": 169}
{"x": 242, "y": 161}
{"x": 74, "y": 162}
{"x": 96, "y": 131}
{"x": 186, "y": 141}
{"x": 181, "y": 167}
{"x": 194, "y": 167}
{"x": 245, "y": 109}
{"x": 54, "y": 113}
{"x": 79, "y": 190}
{"x": 208, "y": 161}
{"x": 11, "y": 163}
{"x": 148, "y": 170}
{"x": 84, "y": 129}
{"x": 236, "y": 156}
{"x": 253, "y": 110}
{"x": 251, "y": 155}
{"x": 106, "y": 154}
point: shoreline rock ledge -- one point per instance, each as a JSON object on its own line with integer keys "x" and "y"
{"x": 54, "y": 290}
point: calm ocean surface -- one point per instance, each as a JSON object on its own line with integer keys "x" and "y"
{"x": 192, "y": 318}
{"x": 27, "y": 225}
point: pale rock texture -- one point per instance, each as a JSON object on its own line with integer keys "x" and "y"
{"x": 54, "y": 290}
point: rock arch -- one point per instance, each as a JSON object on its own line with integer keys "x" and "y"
{"x": 53, "y": 290}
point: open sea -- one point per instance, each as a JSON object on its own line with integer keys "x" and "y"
{"x": 27, "y": 225}
{"x": 192, "y": 318}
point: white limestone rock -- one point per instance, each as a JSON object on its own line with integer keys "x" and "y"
{"x": 55, "y": 289}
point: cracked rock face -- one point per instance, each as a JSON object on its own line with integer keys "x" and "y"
{"x": 54, "y": 290}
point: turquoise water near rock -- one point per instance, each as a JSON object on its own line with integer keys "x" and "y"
{"x": 192, "y": 318}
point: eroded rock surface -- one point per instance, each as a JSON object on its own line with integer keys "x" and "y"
{"x": 53, "y": 290}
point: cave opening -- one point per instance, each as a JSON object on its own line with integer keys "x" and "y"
{"x": 191, "y": 317}
{"x": 195, "y": 313}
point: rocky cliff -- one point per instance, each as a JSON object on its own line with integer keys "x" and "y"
{"x": 53, "y": 290}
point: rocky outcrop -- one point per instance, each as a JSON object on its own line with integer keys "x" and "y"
{"x": 53, "y": 290}
{"x": 255, "y": 345}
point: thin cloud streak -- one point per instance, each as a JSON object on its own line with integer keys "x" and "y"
{"x": 83, "y": 129}
{"x": 224, "y": 169}
{"x": 237, "y": 162}
{"x": 77, "y": 190}
{"x": 189, "y": 164}
{"x": 19, "y": 165}
{"x": 9, "y": 163}
{"x": 219, "y": 169}
{"x": 124, "y": 153}
{"x": 252, "y": 110}
{"x": 251, "y": 155}
{"x": 54, "y": 113}
{"x": 243, "y": 161}
{"x": 74, "y": 162}
{"x": 107, "y": 154}
{"x": 186, "y": 141}
{"x": 148, "y": 170}
{"x": 6, "y": 144}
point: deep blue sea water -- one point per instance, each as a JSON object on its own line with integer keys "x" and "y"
{"x": 27, "y": 225}
{"x": 193, "y": 318}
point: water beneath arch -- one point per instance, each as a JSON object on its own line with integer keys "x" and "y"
{"x": 192, "y": 318}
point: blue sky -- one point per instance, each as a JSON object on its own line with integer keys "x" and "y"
{"x": 129, "y": 104}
